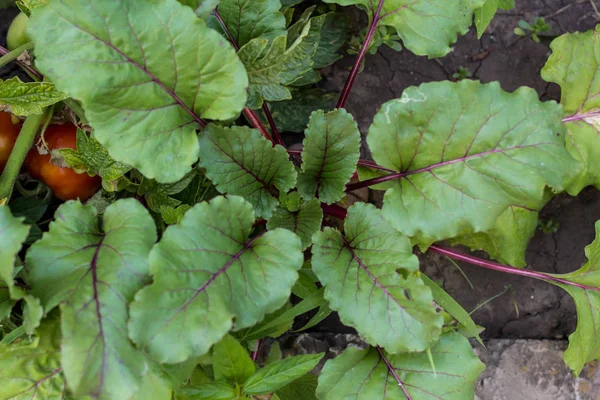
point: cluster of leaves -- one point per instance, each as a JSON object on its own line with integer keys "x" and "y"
{"x": 160, "y": 285}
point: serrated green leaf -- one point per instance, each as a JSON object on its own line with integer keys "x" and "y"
{"x": 303, "y": 388}
{"x": 202, "y": 8}
{"x": 239, "y": 161}
{"x": 329, "y": 156}
{"x": 231, "y": 361}
{"x": 293, "y": 115}
{"x": 207, "y": 391}
{"x": 372, "y": 280}
{"x": 280, "y": 373}
{"x": 208, "y": 258}
{"x": 466, "y": 152}
{"x": 31, "y": 369}
{"x": 452, "y": 307}
{"x": 573, "y": 65}
{"x": 362, "y": 374}
{"x": 159, "y": 195}
{"x": 93, "y": 274}
{"x": 12, "y": 235}
{"x": 272, "y": 65}
{"x": 304, "y": 222}
{"x": 584, "y": 343}
{"x": 26, "y": 98}
{"x": 427, "y": 27}
{"x": 92, "y": 158}
{"x": 250, "y": 19}
{"x": 146, "y": 72}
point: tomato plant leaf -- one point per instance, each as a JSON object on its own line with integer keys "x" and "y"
{"x": 146, "y": 72}
{"x": 28, "y": 98}
{"x": 333, "y": 36}
{"x": 293, "y": 115}
{"x": 573, "y": 65}
{"x": 209, "y": 277}
{"x": 372, "y": 280}
{"x": 305, "y": 222}
{"x": 93, "y": 274}
{"x": 280, "y": 373}
{"x": 13, "y": 233}
{"x": 27, "y": 5}
{"x": 584, "y": 343}
{"x": 303, "y": 388}
{"x": 330, "y": 153}
{"x": 202, "y": 8}
{"x": 231, "y": 361}
{"x": 92, "y": 158}
{"x": 363, "y": 374}
{"x": 414, "y": 19}
{"x": 272, "y": 65}
{"x": 207, "y": 391}
{"x": 31, "y": 370}
{"x": 158, "y": 195}
{"x": 239, "y": 161}
{"x": 465, "y": 153}
{"x": 250, "y": 19}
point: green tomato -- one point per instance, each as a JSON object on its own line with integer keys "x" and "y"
{"x": 17, "y": 33}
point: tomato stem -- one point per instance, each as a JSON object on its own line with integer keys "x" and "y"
{"x": 18, "y": 154}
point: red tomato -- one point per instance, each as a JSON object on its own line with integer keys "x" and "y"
{"x": 8, "y": 137}
{"x": 65, "y": 183}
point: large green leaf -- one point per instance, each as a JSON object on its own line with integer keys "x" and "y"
{"x": 304, "y": 222}
{"x": 574, "y": 65}
{"x": 272, "y": 65}
{"x": 145, "y": 71}
{"x": 427, "y": 27}
{"x": 250, "y": 19}
{"x": 28, "y": 98}
{"x": 330, "y": 153}
{"x": 31, "y": 369}
{"x": 372, "y": 280}
{"x": 210, "y": 277}
{"x": 584, "y": 343}
{"x": 465, "y": 153}
{"x": 239, "y": 161}
{"x": 93, "y": 274}
{"x": 363, "y": 375}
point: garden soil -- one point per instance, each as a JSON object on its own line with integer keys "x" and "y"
{"x": 524, "y": 308}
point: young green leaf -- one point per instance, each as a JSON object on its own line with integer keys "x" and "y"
{"x": 12, "y": 235}
{"x": 172, "y": 215}
{"x": 293, "y": 115}
{"x": 303, "y": 388}
{"x": 584, "y": 343}
{"x": 208, "y": 391}
{"x": 305, "y": 222}
{"x": 363, "y": 374}
{"x": 240, "y": 161}
{"x": 250, "y": 19}
{"x": 414, "y": 19}
{"x": 92, "y": 158}
{"x": 32, "y": 370}
{"x": 329, "y": 156}
{"x": 371, "y": 279}
{"x": 158, "y": 195}
{"x": 202, "y": 8}
{"x": 466, "y": 152}
{"x": 573, "y": 65}
{"x": 28, "y": 98}
{"x": 146, "y": 72}
{"x": 485, "y": 14}
{"x": 93, "y": 274}
{"x": 231, "y": 361}
{"x": 272, "y": 65}
{"x": 280, "y": 373}
{"x": 210, "y": 277}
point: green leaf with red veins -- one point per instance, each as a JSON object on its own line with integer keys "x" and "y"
{"x": 239, "y": 161}
{"x": 202, "y": 8}
{"x": 331, "y": 150}
{"x": 363, "y": 375}
{"x": 93, "y": 274}
{"x": 147, "y": 72}
{"x": 414, "y": 21}
{"x": 30, "y": 369}
{"x": 250, "y": 19}
{"x": 210, "y": 276}
{"x": 372, "y": 280}
{"x": 465, "y": 153}
{"x": 584, "y": 343}
{"x": 574, "y": 65}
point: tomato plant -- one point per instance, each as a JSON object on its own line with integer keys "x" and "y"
{"x": 8, "y": 136}
{"x": 17, "y": 32}
{"x": 166, "y": 283}
{"x": 65, "y": 183}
